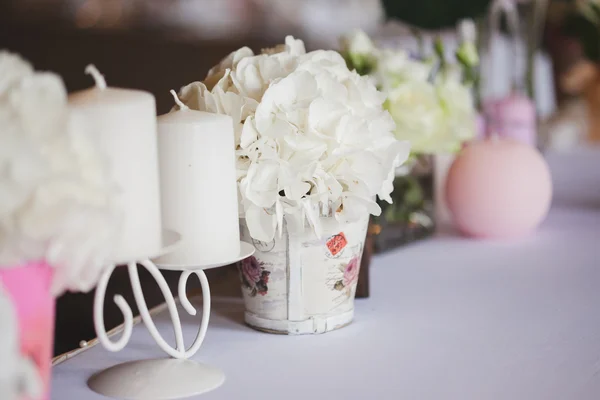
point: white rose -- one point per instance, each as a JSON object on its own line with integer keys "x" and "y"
{"x": 459, "y": 113}
{"x": 390, "y": 61}
{"x": 416, "y": 110}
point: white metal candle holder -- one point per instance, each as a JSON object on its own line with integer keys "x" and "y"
{"x": 159, "y": 379}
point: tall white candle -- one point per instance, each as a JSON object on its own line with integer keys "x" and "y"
{"x": 125, "y": 125}
{"x": 198, "y": 186}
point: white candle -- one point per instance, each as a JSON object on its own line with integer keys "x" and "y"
{"x": 198, "y": 186}
{"x": 125, "y": 125}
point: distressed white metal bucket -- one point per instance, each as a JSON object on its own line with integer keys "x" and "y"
{"x": 299, "y": 284}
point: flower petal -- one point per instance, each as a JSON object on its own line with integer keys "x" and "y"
{"x": 260, "y": 223}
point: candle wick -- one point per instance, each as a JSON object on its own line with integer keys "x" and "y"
{"x": 178, "y": 101}
{"x": 98, "y": 77}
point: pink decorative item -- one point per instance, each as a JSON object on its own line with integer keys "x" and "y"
{"x": 498, "y": 188}
{"x": 481, "y": 131}
{"x": 28, "y": 286}
{"x": 513, "y": 117}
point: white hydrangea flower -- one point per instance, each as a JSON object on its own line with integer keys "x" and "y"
{"x": 58, "y": 203}
{"x": 216, "y": 73}
{"x": 310, "y": 135}
{"x": 292, "y": 46}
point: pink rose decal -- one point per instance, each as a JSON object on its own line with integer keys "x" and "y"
{"x": 251, "y": 270}
{"x": 254, "y": 276}
{"x": 351, "y": 272}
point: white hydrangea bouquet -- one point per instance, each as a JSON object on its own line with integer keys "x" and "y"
{"x": 58, "y": 204}
{"x": 429, "y": 96}
{"x": 311, "y": 135}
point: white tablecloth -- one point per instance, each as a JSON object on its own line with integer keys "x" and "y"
{"x": 448, "y": 318}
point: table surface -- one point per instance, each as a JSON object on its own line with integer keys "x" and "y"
{"x": 449, "y": 318}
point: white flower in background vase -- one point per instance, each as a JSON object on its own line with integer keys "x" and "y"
{"x": 360, "y": 51}
{"x": 58, "y": 203}
{"x": 429, "y": 97}
{"x": 467, "y": 51}
{"x": 459, "y": 113}
{"x": 310, "y": 134}
{"x": 416, "y": 108}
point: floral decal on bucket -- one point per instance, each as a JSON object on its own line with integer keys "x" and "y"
{"x": 254, "y": 276}
{"x": 349, "y": 276}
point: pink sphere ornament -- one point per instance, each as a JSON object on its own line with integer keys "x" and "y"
{"x": 498, "y": 188}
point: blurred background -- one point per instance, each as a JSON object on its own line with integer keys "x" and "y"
{"x": 163, "y": 44}
{"x": 158, "y": 45}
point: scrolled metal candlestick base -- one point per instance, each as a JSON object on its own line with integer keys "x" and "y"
{"x": 166, "y": 378}
{"x": 159, "y": 378}
{"x": 179, "y": 351}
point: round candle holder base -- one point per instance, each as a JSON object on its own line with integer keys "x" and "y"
{"x": 157, "y": 379}
{"x": 246, "y": 250}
